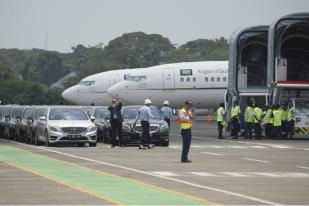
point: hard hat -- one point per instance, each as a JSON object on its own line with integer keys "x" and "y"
{"x": 165, "y": 102}
{"x": 147, "y": 101}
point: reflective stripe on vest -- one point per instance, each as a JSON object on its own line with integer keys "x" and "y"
{"x": 219, "y": 114}
{"x": 277, "y": 118}
{"x": 185, "y": 124}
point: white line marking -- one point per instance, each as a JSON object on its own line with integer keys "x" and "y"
{"x": 237, "y": 147}
{"x": 294, "y": 174}
{"x": 235, "y": 174}
{"x": 204, "y": 174}
{"x": 258, "y": 147}
{"x": 215, "y": 154}
{"x": 165, "y": 173}
{"x": 267, "y": 174}
{"x": 302, "y": 167}
{"x": 159, "y": 176}
{"x": 255, "y": 160}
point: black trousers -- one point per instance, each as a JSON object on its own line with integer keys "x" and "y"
{"x": 116, "y": 127}
{"x": 257, "y": 131}
{"x": 235, "y": 127}
{"x": 248, "y": 129}
{"x": 145, "y": 136}
{"x": 220, "y": 128}
{"x": 268, "y": 130}
{"x": 168, "y": 122}
{"x": 290, "y": 128}
{"x": 277, "y": 132}
{"x": 186, "y": 142}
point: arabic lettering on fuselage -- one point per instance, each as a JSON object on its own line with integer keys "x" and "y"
{"x": 212, "y": 71}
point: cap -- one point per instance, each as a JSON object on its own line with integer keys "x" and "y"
{"x": 165, "y": 102}
{"x": 147, "y": 101}
{"x": 188, "y": 102}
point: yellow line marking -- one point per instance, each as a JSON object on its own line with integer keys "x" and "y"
{"x": 126, "y": 178}
{"x": 105, "y": 198}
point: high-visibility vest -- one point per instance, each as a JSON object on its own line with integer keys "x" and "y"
{"x": 249, "y": 114}
{"x": 284, "y": 114}
{"x": 277, "y": 118}
{"x": 219, "y": 114}
{"x": 235, "y": 112}
{"x": 268, "y": 119}
{"x": 184, "y": 123}
{"x": 289, "y": 114}
{"x": 258, "y": 115}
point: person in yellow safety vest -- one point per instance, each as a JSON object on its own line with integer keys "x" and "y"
{"x": 283, "y": 109}
{"x": 220, "y": 119}
{"x": 185, "y": 119}
{"x": 248, "y": 120}
{"x": 235, "y": 114}
{"x": 268, "y": 122}
{"x": 257, "y": 119}
{"x": 290, "y": 120}
{"x": 277, "y": 113}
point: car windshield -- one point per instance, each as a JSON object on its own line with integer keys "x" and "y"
{"x": 131, "y": 112}
{"x": 301, "y": 103}
{"x": 67, "y": 114}
{"x": 101, "y": 112}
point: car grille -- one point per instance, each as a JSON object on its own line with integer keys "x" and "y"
{"x": 152, "y": 129}
{"x": 74, "y": 130}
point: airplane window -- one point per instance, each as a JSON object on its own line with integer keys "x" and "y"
{"x": 188, "y": 79}
{"x": 86, "y": 83}
{"x": 194, "y": 79}
{"x": 135, "y": 78}
{"x": 181, "y": 79}
{"x": 218, "y": 79}
{"x": 224, "y": 79}
{"x": 212, "y": 79}
{"x": 206, "y": 79}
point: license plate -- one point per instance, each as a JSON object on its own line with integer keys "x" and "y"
{"x": 74, "y": 136}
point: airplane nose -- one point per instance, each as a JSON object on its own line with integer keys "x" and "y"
{"x": 69, "y": 94}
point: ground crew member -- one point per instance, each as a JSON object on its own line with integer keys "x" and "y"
{"x": 248, "y": 120}
{"x": 235, "y": 114}
{"x": 167, "y": 113}
{"x": 220, "y": 119}
{"x": 268, "y": 122}
{"x": 116, "y": 122}
{"x": 277, "y": 113}
{"x": 257, "y": 118}
{"x": 283, "y": 109}
{"x": 144, "y": 115}
{"x": 185, "y": 119}
{"x": 290, "y": 120}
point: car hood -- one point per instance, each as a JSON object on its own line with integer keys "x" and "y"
{"x": 70, "y": 123}
{"x": 152, "y": 121}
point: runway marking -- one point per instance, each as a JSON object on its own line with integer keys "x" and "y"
{"x": 204, "y": 174}
{"x": 255, "y": 160}
{"x": 302, "y": 167}
{"x": 258, "y": 147}
{"x": 215, "y": 154}
{"x": 235, "y": 174}
{"x": 255, "y": 199}
{"x": 165, "y": 173}
{"x": 220, "y": 147}
{"x": 266, "y": 174}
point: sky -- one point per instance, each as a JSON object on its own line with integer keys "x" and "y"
{"x": 62, "y": 24}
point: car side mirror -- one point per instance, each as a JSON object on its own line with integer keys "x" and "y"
{"x": 92, "y": 118}
{"x": 43, "y": 118}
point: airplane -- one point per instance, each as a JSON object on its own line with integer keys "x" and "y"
{"x": 204, "y": 83}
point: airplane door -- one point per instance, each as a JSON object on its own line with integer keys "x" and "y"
{"x": 168, "y": 79}
{"x": 114, "y": 79}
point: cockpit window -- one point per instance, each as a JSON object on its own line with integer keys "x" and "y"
{"x": 87, "y": 83}
{"x": 131, "y": 78}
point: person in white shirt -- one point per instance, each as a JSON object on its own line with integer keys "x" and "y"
{"x": 167, "y": 113}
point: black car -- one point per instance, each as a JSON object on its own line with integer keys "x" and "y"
{"x": 159, "y": 130}
{"x": 101, "y": 114}
{"x": 25, "y": 125}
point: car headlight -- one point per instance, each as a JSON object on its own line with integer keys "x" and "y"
{"x": 54, "y": 129}
{"x": 126, "y": 128}
{"x": 164, "y": 128}
{"x": 92, "y": 129}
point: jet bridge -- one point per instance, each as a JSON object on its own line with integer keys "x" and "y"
{"x": 248, "y": 66}
{"x": 288, "y": 58}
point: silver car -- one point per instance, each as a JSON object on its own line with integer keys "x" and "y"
{"x": 66, "y": 125}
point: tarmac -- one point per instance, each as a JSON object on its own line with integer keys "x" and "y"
{"x": 222, "y": 172}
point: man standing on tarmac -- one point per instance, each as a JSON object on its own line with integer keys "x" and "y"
{"x": 116, "y": 122}
{"x": 144, "y": 115}
{"x": 277, "y": 113}
{"x": 257, "y": 118}
{"x": 248, "y": 120}
{"x": 167, "y": 113}
{"x": 235, "y": 114}
{"x": 268, "y": 122}
{"x": 185, "y": 119}
{"x": 220, "y": 119}
{"x": 290, "y": 120}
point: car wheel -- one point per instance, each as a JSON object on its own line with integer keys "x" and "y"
{"x": 165, "y": 143}
{"x": 92, "y": 144}
{"x": 47, "y": 144}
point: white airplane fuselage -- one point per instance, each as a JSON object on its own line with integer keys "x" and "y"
{"x": 204, "y": 83}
